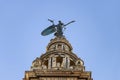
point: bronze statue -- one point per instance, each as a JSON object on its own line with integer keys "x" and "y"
{"x": 58, "y": 29}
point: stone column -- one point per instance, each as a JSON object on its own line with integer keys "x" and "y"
{"x": 49, "y": 63}
{"x": 68, "y": 62}
{"x": 53, "y": 61}
{"x": 63, "y": 62}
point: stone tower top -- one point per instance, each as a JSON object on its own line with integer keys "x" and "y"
{"x": 58, "y": 56}
{"x": 58, "y": 62}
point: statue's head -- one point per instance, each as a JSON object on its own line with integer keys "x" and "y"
{"x": 60, "y": 23}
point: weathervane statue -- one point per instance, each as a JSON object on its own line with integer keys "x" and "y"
{"x": 57, "y": 29}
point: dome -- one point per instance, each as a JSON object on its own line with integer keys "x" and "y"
{"x": 59, "y": 43}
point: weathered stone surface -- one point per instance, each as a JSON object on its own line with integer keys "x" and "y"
{"x": 58, "y": 63}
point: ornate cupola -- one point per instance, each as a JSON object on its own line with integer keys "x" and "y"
{"x": 58, "y": 62}
{"x": 58, "y": 56}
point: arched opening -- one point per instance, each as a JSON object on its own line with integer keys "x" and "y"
{"x": 59, "y": 60}
{"x": 46, "y": 63}
{"x": 72, "y": 63}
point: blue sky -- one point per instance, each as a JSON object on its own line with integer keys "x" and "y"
{"x": 95, "y": 36}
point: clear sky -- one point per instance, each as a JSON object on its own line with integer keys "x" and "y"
{"x": 95, "y": 36}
